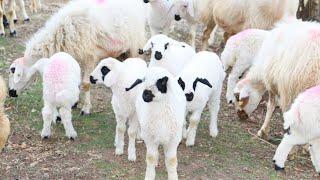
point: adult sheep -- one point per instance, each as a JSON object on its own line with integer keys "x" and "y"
{"x": 89, "y": 31}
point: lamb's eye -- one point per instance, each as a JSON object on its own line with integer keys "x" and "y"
{"x": 185, "y": 6}
{"x": 105, "y": 70}
{"x": 13, "y": 70}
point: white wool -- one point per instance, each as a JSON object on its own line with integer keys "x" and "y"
{"x": 204, "y": 65}
{"x": 122, "y": 75}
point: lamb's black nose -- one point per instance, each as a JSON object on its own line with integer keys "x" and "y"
{"x": 147, "y": 96}
{"x": 93, "y": 80}
{"x": 158, "y": 55}
{"x": 177, "y": 17}
{"x": 13, "y": 93}
{"x": 189, "y": 96}
{"x": 146, "y": 1}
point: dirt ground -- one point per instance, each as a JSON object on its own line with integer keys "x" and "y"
{"x": 234, "y": 154}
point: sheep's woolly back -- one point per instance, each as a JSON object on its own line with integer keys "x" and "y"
{"x": 4, "y": 121}
{"x": 3, "y": 91}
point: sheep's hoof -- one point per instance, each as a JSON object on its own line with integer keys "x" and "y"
{"x": 45, "y": 137}
{"x": 83, "y": 113}
{"x": 15, "y": 21}
{"x": 13, "y": 34}
{"x": 71, "y": 138}
{"x": 140, "y": 51}
{"x": 261, "y": 134}
{"x": 58, "y": 119}
{"x": 27, "y": 20}
{"x": 277, "y": 168}
{"x": 75, "y": 105}
{"x": 1, "y": 35}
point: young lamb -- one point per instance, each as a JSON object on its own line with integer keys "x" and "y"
{"x": 90, "y": 31}
{"x": 302, "y": 126}
{"x": 160, "y": 16}
{"x": 293, "y": 46}
{"x": 202, "y": 80}
{"x": 119, "y": 76}
{"x": 233, "y": 15}
{"x": 4, "y": 121}
{"x": 239, "y": 54}
{"x": 161, "y": 110}
{"x": 169, "y": 53}
{"x": 61, "y": 76}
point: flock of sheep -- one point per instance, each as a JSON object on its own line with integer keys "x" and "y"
{"x": 268, "y": 49}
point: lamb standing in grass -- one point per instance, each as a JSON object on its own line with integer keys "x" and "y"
{"x": 4, "y": 121}
{"x": 161, "y": 110}
{"x": 239, "y": 54}
{"x": 202, "y": 80}
{"x": 119, "y": 76}
{"x": 302, "y": 125}
{"x": 61, "y": 81}
{"x": 168, "y": 53}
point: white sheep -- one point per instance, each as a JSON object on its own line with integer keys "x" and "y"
{"x": 118, "y": 76}
{"x": 61, "y": 76}
{"x": 160, "y": 16}
{"x": 168, "y": 53}
{"x": 286, "y": 65}
{"x": 239, "y": 54}
{"x": 202, "y": 80}
{"x": 302, "y": 126}
{"x": 161, "y": 110}
{"x": 4, "y": 121}
{"x": 90, "y": 31}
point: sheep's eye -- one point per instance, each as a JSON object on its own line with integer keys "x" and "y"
{"x": 166, "y": 46}
{"x": 237, "y": 96}
{"x": 105, "y": 70}
{"x": 13, "y": 70}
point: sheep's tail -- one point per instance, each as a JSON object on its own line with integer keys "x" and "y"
{"x": 3, "y": 91}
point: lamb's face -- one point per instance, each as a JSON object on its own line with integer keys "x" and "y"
{"x": 247, "y": 99}
{"x": 183, "y": 9}
{"x": 158, "y": 44}
{"x": 18, "y": 77}
{"x": 189, "y": 84}
{"x": 105, "y": 72}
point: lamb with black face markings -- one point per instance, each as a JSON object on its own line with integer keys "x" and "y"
{"x": 202, "y": 81}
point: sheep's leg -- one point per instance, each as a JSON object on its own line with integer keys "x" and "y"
{"x": 23, "y": 10}
{"x": 15, "y": 18}
{"x": 66, "y": 117}
{"x": 34, "y": 6}
{"x": 206, "y": 36}
{"x": 48, "y": 116}
{"x": 132, "y": 133}
{"x": 171, "y": 160}
{"x": 264, "y": 131}
{"x": 10, "y": 18}
{"x": 86, "y": 88}
{"x": 284, "y": 149}
{"x": 236, "y": 72}
{"x": 184, "y": 129}
{"x": 39, "y": 4}
{"x": 152, "y": 161}
{"x": 2, "y": 33}
{"x": 193, "y": 35}
{"x": 120, "y": 130}
{"x": 193, "y": 126}
{"x": 315, "y": 154}
{"x": 214, "y": 107}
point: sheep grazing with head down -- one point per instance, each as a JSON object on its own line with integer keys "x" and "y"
{"x": 302, "y": 126}
{"x": 293, "y": 46}
{"x": 89, "y": 31}
{"x": 61, "y": 80}
{"x": 168, "y": 53}
{"x": 119, "y": 76}
{"x": 202, "y": 80}
{"x": 239, "y": 54}
{"x": 161, "y": 108}
{"x": 4, "y": 121}
{"x": 160, "y": 16}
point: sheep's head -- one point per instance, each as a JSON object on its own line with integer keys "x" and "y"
{"x": 247, "y": 98}
{"x": 19, "y": 77}
{"x": 106, "y": 72}
{"x": 158, "y": 44}
{"x": 183, "y": 9}
{"x": 189, "y": 85}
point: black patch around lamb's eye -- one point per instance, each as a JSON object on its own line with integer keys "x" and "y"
{"x": 162, "y": 84}
{"x": 166, "y": 46}
{"x": 105, "y": 70}
{"x": 13, "y": 70}
{"x": 181, "y": 83}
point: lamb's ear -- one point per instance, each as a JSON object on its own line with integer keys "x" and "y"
{"x": 162, "y": 84}
{"x": 203, "y": 81}
{"x": 181, "y": 83}
{"x": 191, "y": 8}
{"x": 147, "y": 46}
{"x": 136, "y": 83}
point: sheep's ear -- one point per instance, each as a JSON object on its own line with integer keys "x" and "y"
{"x": 136, "y": 83}
{"x": 243, "y": 102}
{"x": 191, "y": 8}
{"x": 147, "y": 46}
{"x": 181, "y": 83}
{"x": 162, "y": 84}
{"x": 203, "y": 81}
{"x": 17, "y": 74}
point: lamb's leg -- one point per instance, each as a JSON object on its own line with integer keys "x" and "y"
{"x": 214, "y": 107}
{"x": 193, "y": 126}
{"x": 264, "y": 131}
{"x": 315, "y": 154}
{"x": 10, "y": 18}
{"x": 171, "y": 160}
{"x": 206, "y": 36}
{"x": 132, "y": 133}
{"x": 23, "y": 10}
{"x": 120, "y": 130}
{"x": 66, "y": 117}
{"x": 2, "y": 33}
{"x": 86, "y": 88}
{"x": 152, "y": 160}
{"x": 48, "y": 116}
{"x": 284, "y": 149}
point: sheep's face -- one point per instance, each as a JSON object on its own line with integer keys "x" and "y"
{"x": 105, "y": 73}
{"x": 184, "y": 9}
{"x": 18, "y": 77}
{"x": 158, "y": 44}
{"x": 189, "y": 85}
{"x": 247, "y": 99}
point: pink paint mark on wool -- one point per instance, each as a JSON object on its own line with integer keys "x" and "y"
{"x": 114, "y": 42}
{"x": 242, "y": 34}
{"x": 56, "y": 70}
{"x": 315, "y": 33}
{"x": 100, "y": 1}
{"x": 244, "y": 81}
{"x": 19, "y": 61}
{"x": 312, "y": 92}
